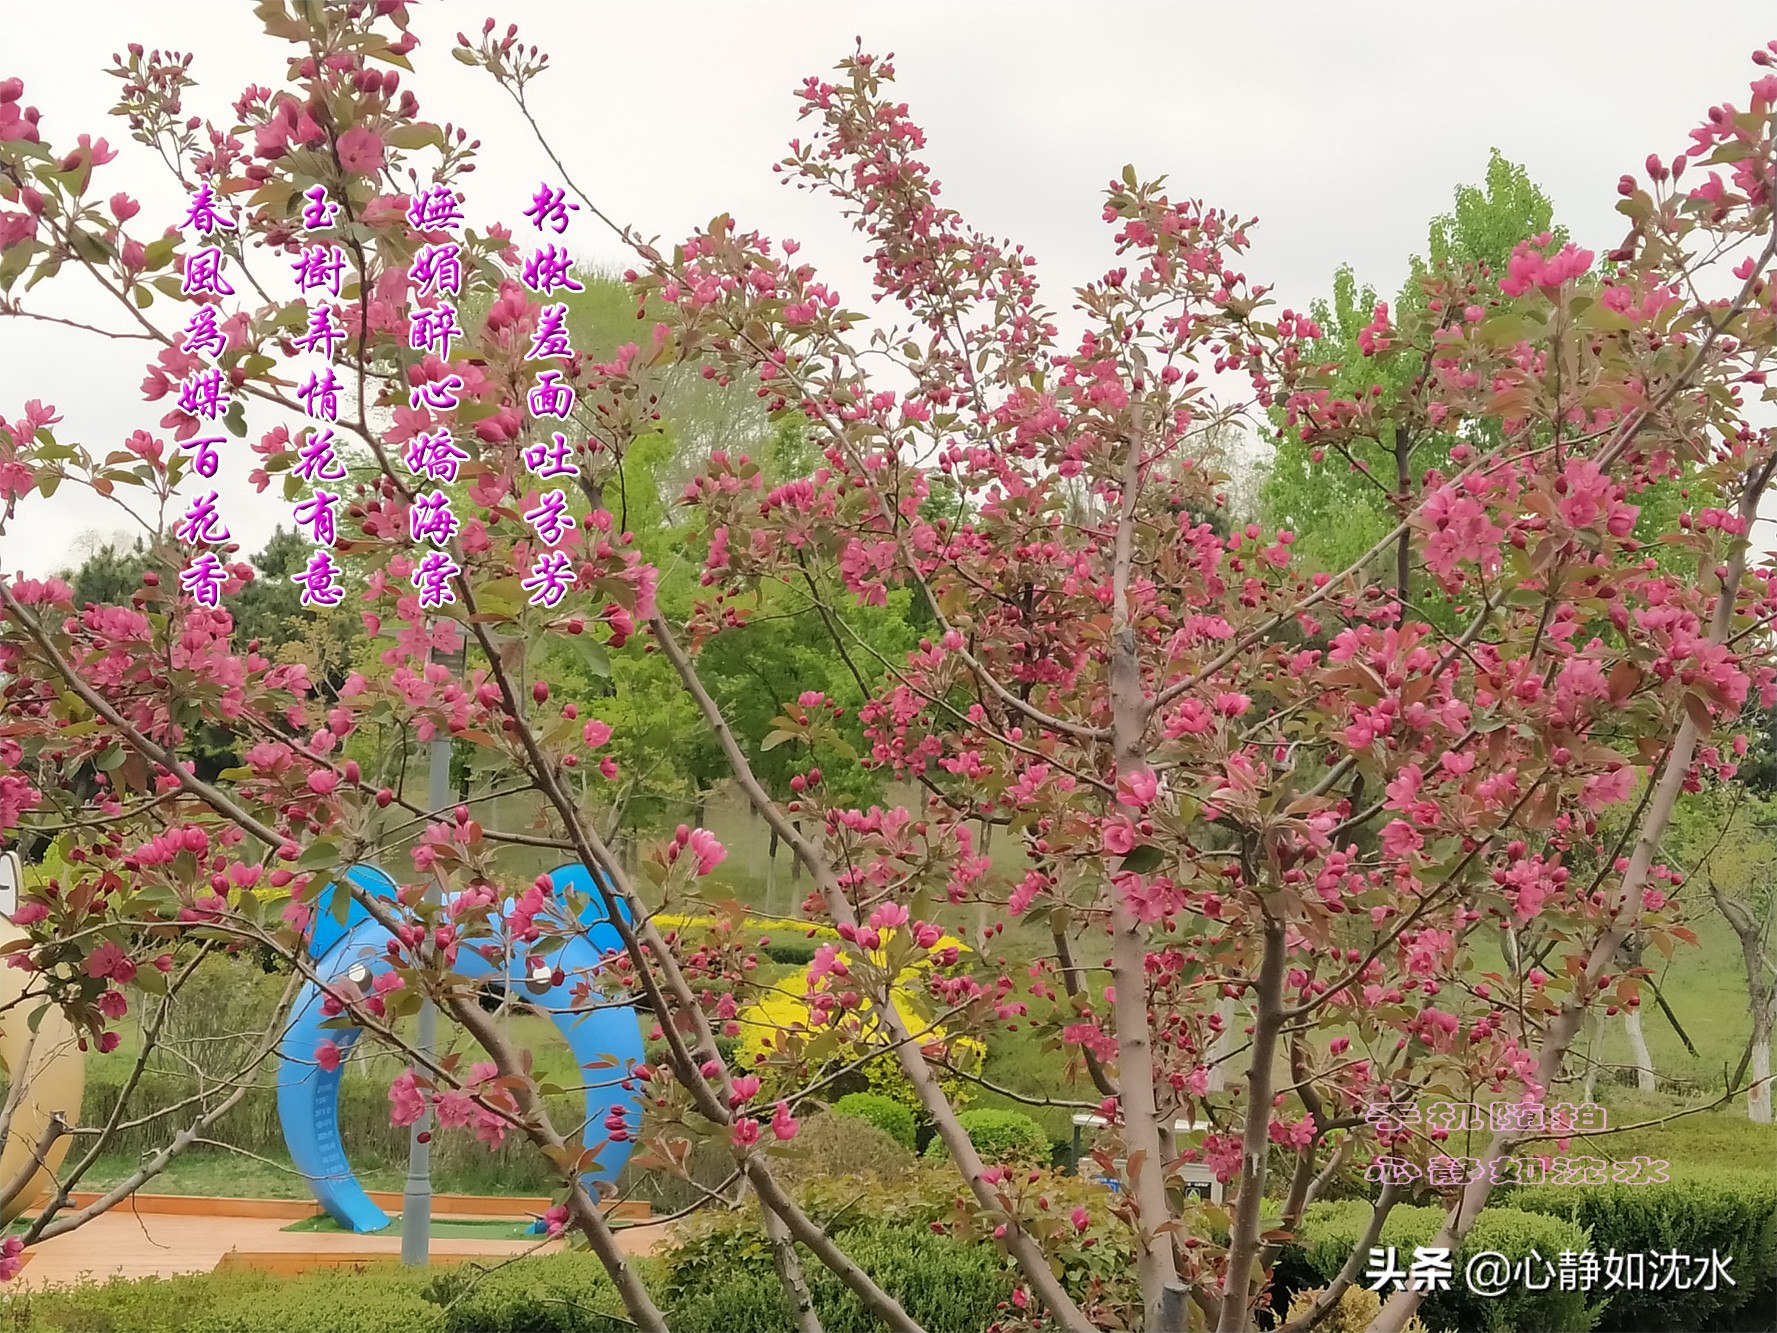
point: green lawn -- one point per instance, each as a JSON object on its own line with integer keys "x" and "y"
{"x": 442, "y": 1228}
{"x": 214, "y": 1172}
{"x": 1706, "y": 988}
{"x": 1675, "y": 1131}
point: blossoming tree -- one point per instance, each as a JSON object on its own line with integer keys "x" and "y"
{"x": 1265, "y": 817}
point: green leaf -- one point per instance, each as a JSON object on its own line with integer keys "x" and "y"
{"x": 1143, "y": 859}
{"x": 274, "y": 195}
{"x": 388, "y": 57}
{"x": 157, "y": 253}
{"x": 279, "y": 22}
{"x": 1508, "y": 328}
{"x": 592, "y": 654}
{"x": 340, "y": 904}
{"x": 90, "y": 247}
{"x": 777, "y": 738}
{"x": 45, "y": 270}
{"x": 420, "y": 135}
{"x": 319, "y": 855}
{"x": 16, "y": 260}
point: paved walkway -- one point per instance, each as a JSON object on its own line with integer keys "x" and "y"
{"x": 126, "y": 1243}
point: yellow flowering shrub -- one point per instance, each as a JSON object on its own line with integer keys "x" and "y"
{"x": 784, "y": 1011}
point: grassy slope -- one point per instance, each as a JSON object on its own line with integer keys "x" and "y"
{"x": 1703, "y": 985}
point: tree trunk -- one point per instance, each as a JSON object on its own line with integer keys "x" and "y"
{"x": 1758, "y": 1096}
{"x": 1155, "y": 1264}
{"x": 1644, "y": 1063}
{"x": 1764, "y": 1016}
{"x": 771, "y": 874}
{"x": 1243, "y": 1235}
{"x": 1761, "y": 994}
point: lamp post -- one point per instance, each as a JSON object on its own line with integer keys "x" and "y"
{"x": 416, "y": 1197}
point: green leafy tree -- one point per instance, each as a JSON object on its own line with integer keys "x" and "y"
{"x": 1340, "y": 506}
{"x": 108, "y": 575}
{"x": 1488, "y": 220}
{"x": 269, "y": 612}
{"x": 792, "y": 640}
{"x": 1724, "y": 838}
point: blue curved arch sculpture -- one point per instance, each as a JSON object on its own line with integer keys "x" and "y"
{"x": 308, "y": 1096}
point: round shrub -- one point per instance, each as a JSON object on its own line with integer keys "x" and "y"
{"x": 1003, "y": 1138}
{"x": 724, "y": 1282}
{"x": 1357, "y": 1309}
{"x": 886, "y": 1114}
{"x": 840, "y": 1147}
{"x": 795, "y": 952}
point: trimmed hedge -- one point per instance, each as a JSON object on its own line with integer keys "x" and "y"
{"x": 332, "y": 1302}
{"x": 1729, "y": 1213}
{"x": 385, "y": 1299}
{"x": 566, "y": 1293}
{"x": 885, "y": 1113}
{"x": 720, "y": 1279}
{"x": 794, "y": 952}
{"x": 134, "y": 1305}
{"x": 843, "y": 1148}
{"x": 562, "y": 1293}
{"x": 1330, "y": 1230}
{"x": 720, "y": 1282}
{"x": 724, "y": 1282}
{"x": 1001, "y": 1137}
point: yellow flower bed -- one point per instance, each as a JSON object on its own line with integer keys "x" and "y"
{"x": 785, "y": 1009}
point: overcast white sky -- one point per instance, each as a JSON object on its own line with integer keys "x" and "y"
{"x": 1343, "y": 127}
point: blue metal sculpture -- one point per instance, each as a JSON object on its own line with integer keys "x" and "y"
{"x": 606, "y": 1039}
